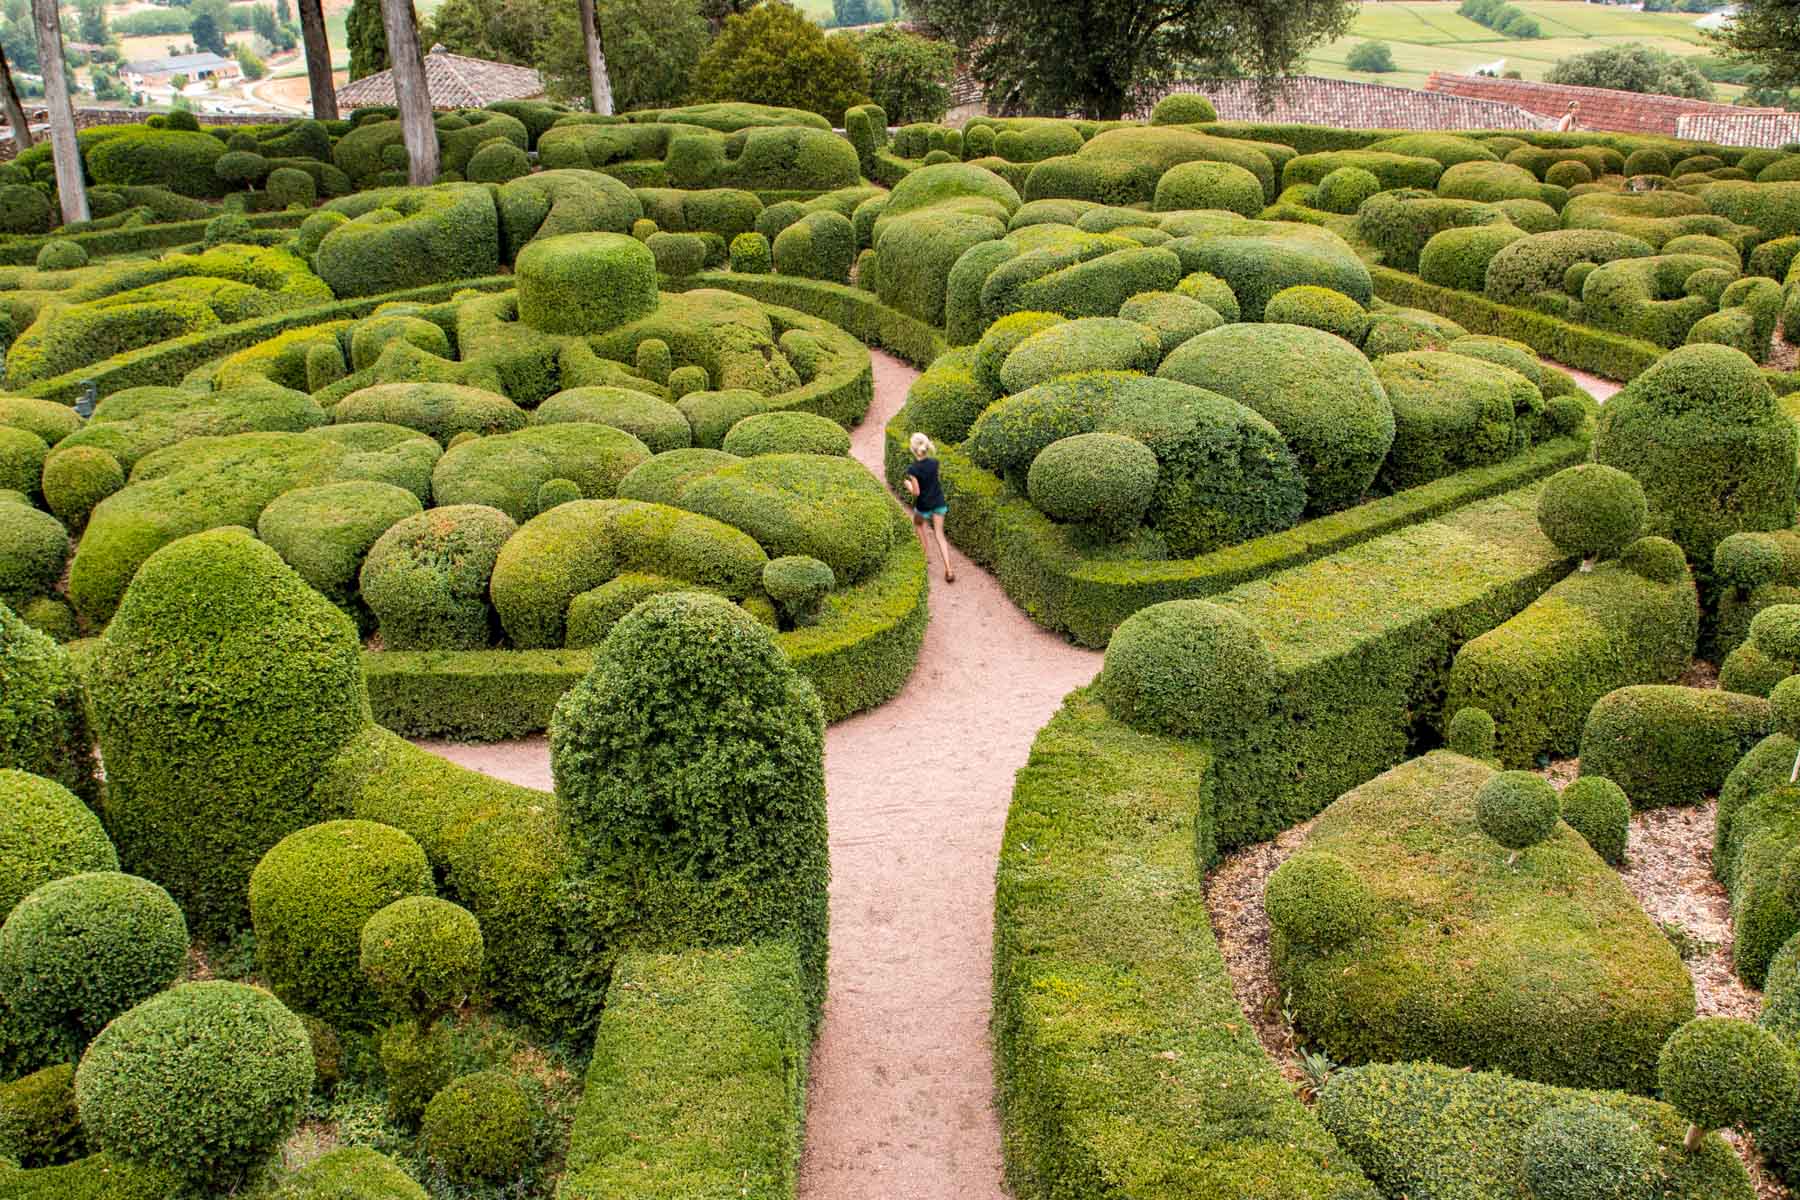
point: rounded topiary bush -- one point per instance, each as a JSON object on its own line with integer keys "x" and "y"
{"x": 1459, "y": 257}
{"x": 1775, "y": 631}
{"x": 1183, "y": 108}
{"x": 1186, "y": 667}
{"x": 43, "y": 728}
{"x": 1471, "y": 733}
{"x": 1344, "y": 190}
{"x": 309, "y": 898}
{"x": 1197, "y": 185}
{"x": 1588, "y": 1152}
{"x": 1746, "y": 561}
{"x": 750, "y": 254}
{"x": 1568, "y": 174}
{"x": 496, "y": 162}
{"x": 33, "y": 548}
{"x": 799, "y": 583}
{"x": 1657, "y": 559}
{"x": 677, "y": 255}
{"x": 422, "y": 955}
{"x": 80, "y": 950}
{"x": 46, "y": 833}
{"x": 1317, "y": 900}
{"x": 1591, "y": 510}
{"x": 288, "y": 186}
{"x": 686, "y": 380}
{"x": 62, "y": 254}
{"x": 585, "y": 282}
{"x": 479, "y": 1129}
{"x": 557, "y": 491}
{"x": 351, "y": 1173}
{"x": 78, "y": 477}
{"x": 785, "y": 433}
{"x": 204, "y": 1081}
{"x": 1103, "y": 479}
{"x": 1517, "y": 809}
{"x": 427, "y": 578}
{"x": 692, "y": 759}
{"x": 1318, "y": 308}
{"x": 22, "y": 455}
{"x": 1784, "y": 706}
{"x": 1598, "y": 809}
{"x": 326, "y": 532}
{"x": 1719, "y": 1072}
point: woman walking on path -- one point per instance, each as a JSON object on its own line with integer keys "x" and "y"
{"x": 928, "y": 503}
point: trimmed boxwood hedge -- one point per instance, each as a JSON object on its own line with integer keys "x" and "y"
{"x": 1670, "y": 745}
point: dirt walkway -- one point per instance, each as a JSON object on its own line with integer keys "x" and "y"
{"x": 901, "y": 1104}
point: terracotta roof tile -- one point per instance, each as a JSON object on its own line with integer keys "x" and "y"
{"x": 1601, "y": 108}
{"x": 453, "y": 81}
{"x": 1742, "y": 128}
{"x": 1346, "y": 104}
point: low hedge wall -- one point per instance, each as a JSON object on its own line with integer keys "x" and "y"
{"x": 1126, "y": 1066}
{"x": 857, "y": 312}
{"x": 22, "y": 251}
{"x": 698, "y": 1081}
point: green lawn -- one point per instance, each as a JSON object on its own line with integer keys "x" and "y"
{"x": 1428, "y": 35}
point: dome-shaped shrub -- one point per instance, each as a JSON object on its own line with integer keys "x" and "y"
{"x": 288, "y": 186}
{"x": 427, "y": 578}
{"x": 1517, "y": 809}
{"x": 1211, "y": 291}
{"x": 1459, "y": 257}
{"x": 1719, "y": 1072}
{"x": 1784, "y": 706}
{"x": 80, "y": 950}
{"x": 785, "y": 433}
{"x": 1471, "y": 733}
{"x": 479, "y": 1129}
{"x": 1103, "y": 479}
{"x": 750, "y": 254}
{"x": 22, "y": 455}
{"x": 1186, "y": 667}
{"x": 557, "y": 491}
{"x": 654, "y": 422}
{"x": 1701, "y": 430}
{"x": 351, "y": 1173}
{"x": 43, "y": 730}
{"x": 799, "y": 584}
{"x": 33, "y": 548}
{"x": 1002, "y": 338}
{"x": 1654, "y": 558}
{"x": 309, "y": 898}
{"x": 422, "y": 956}
{"x": 204, "y": 1081}
{"x": 46, "y": 833}
{"x": 1588, "y": 1152}
{"x": 1317, "y": 900}
{"x": 1200, "y": 185}
{"x": 1568, "y": 174}
{"x": 585, "y": 283}
{"x": 326, "y": 532}
{"x": 217, "y": 719}
{"x": 1591, "y": 510}
{"x": 1183, "y": 108}
{"x": 1318, "y": 308}
{"x": 1344, "y": 190}
{"x": 78, "y": 477}
{"x": 693, "y": 753}
{"x": 61, "y": 254}
{"x": 1776, "y": 631}
{"x": 496, "y": 162}
{"x": 1598, "y": 809}
{"x": 1746, "y": 561}
{"x": 1071, "y": 347}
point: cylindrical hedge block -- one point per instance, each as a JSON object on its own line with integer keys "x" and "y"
{"x": 585, "y": 282}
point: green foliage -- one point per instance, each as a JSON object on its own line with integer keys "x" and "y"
{"x": 1459, "y": 257}
{"x": 677, "y": 255}
{"x": 799, "y": 585}
{"x": 505, "y": 471}
{"x": 1518, "y": 809}
{"x": 417, "y": 1063}
{"x": 585, "y": 283}
{"x": 1435, "y": 1133}
{"x": 1316, "y": 899}
{"x": 78, "y": 951}
{"x": 205, "y": 1080}
{"x": 49, "y": 834}
{"x": 1670, "y": 745}
{"x": 1106, "y": 480}
{"x": 1370, "y": 58}
{"x": 198, "y": 791}
{"x": 1074, "y": 347}
{"x": 1344, "y": 190}
{"x": 426, "y": 577}
{"x": 1183, "y": 108}
{"x": 1539, "y": 263}
{"x": 656, "y": 423}
{"x": 651, "y": 49}
{"x": 909, "y": 75}
{"x": 39, "y": 1125}
{"x": 1598, "y": 809}
{"x": 820, "y": 245}
{"x": 1702, "y": 432}
{"x": 439, "y": 410}
{"x": 1220, "y": 185}
{"x": 1317, "y": 308}
{"x": 408, "y": 237}
{"x": 785, "y": 433}
{"x": 179, "y": 161}
{"x": 1632, "y": 67}
{"x": 774, "y": 55}
{"x": 692, "y": 713}
{"x": 309, "y": 898}
{"x": 751, "y": 255}
{"x": 1183, "y": 666}
{"x": 43, "y": 722}
{"x": 1719, "y": 1072}
{"x": 367, "y": 38}
{"x": 1175, "y": 317}
{"x": 349, "y": 1173}
{"x": 479, "y": 1128}
{"x": 1470, "y": 733}
{"x": 61, "y": 255}
{"x": 1591, "y": 510}
{"x": 33, "y": 548}
{"x": 1784, "y": 706}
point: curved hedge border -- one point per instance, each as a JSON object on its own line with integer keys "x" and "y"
{"x": 857, "y": 312}
{"x": 22, "y": 251}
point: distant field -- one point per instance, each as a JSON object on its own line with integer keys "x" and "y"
{"x": 1428, "y": 35}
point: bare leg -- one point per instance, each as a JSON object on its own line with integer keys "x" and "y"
{"x": 937, "y": 527}
{"x": 924, "y": 542}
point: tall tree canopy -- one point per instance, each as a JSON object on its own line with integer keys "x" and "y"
{"x": 498, "y": 30}
{"x": 774, "y": 55}
{"x": 1099, "y": 57}
{"x": 367, "y": 38}
{"x": 651, "y": 49}
{"x": 1633, "y": 67}
{"x": 909, "y": 76}
{"x": 1767, "y": 33}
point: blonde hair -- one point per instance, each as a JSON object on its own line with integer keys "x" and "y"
{"x": 921, "y": 446}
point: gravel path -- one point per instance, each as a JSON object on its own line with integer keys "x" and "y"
{"x": 901, "y": 1102}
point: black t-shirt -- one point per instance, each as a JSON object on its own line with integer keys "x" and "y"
{"x": 931, "y": 492}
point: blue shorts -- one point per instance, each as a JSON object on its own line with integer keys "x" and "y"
{"x": 925, "y": 514}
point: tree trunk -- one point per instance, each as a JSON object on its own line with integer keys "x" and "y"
{"x": 410, "y": 93}
{"x": 71, "y": 187}
{"x": 1692, "y": 1141}
{"x": 598, "y": 80}
{"x": 318, "y": 60}
{"x": 15, "y": 111}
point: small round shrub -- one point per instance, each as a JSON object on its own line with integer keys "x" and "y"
{"x": 350, "y": 1173}
{"x": 677, "y": 255}
{"x": 1183, "y": 108}
{"x": 1648, "y": 161}
{"x": 1318, "y": 308}
{"x": 1589, "y": 1152}
{"x": 46, "y": 833}
{"x": 1568, "y": 174}
{"x": 309, "y": 898}
{"x": 684, "y": 381}
{"x": 1598, "y": 809}
{"x": 80, "y": 950}
{"x": 642, "y": 228}
{"x": 497, "y": 161}
{"x": 1344, "y": 190}
{"x": 61, "y": 254}
{"x": 78, "y": 477}
{"x": 23, "y": 209}
{"x": 1517, "y": 809}
{"x": 39, "y": 1125}
{"x": 1776, "y": 631}
{"x": 1719, "y": 1072}
{"x": 1784, "y": 705}
{"x": 1657, "y": 559}
{"x": 203, "y": 1081}
{"x": 22, "y": 455}
{"x": 1211, "y": 291}
{"x": 1744, "y": 561}
{"x": 750, "y": 254}
{"x": 33, "y": 548}
{"x": 799, "y": 583}
{"x": 1209, "y": 185}
{"x": 427, "y": 578}
{"x": 43, "y": 731}
{"x": 1186, "y": 667}
{"x": 228, "y": 228}
{"x": 653, "y": 360}
{"x": 479, "y": 1129}
{"x": 416, "y": 1060}
{"x": 585, "y": 283}
{"x": 422, "y": 956}
{"x": 288, "y": 186}
{"x": 1471, "y": 733}
{"x": 790, "y": 432}
{"x": 1103, "y": 479}
{"x": 1317, "y": 900}
{"x": 1591, "y": 510}
{"x": 557, "y": 491}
